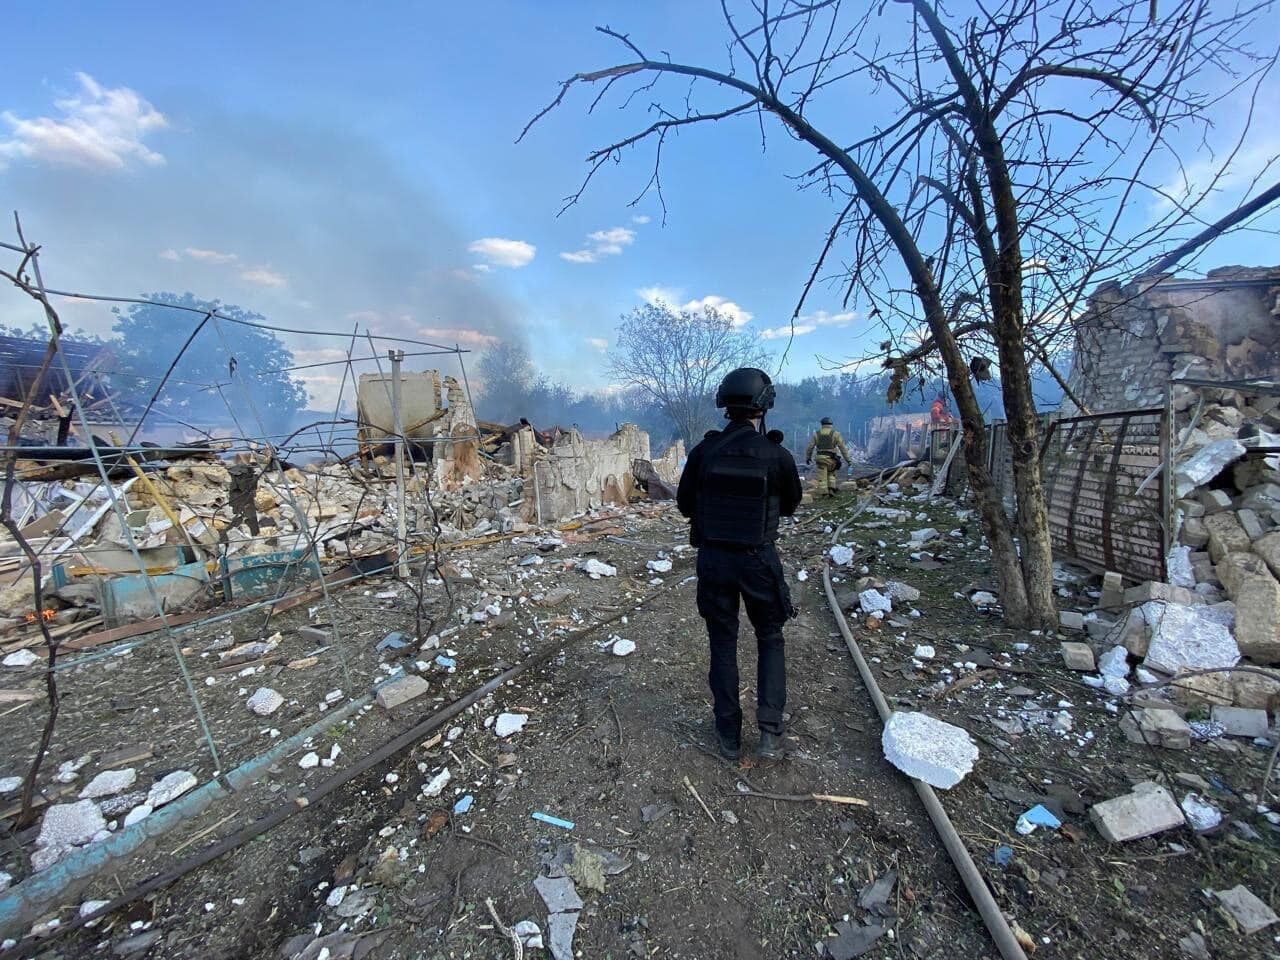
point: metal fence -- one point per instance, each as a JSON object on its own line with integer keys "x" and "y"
{"x": 1103, "y": 484}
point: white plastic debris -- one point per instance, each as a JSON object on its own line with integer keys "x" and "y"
{"x": 509, "y": 723}
{"x": 309, "y": 760}
{"x": 1114, "y": 663}
{"x": 437, "y": 783}
{"x": 1200, "y": 814}
{"x": 924, "y": 536}
{"x": 623, "y": 647}
{"x": 595, "y": 569}
{"x": 659, "y": 566}
{"x": 928, "y": 749}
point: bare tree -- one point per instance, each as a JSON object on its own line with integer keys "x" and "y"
{"x": 678, "y": 357}
{"x": 994, "y": 188}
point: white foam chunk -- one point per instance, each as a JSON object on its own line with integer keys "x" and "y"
{"x": 928, "y": 749}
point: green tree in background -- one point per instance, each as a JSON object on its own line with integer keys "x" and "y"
{"x": 230, "y": 371}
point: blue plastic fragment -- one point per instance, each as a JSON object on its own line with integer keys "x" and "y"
{"x": 1037, "y": 816}
{"x": 446, "y": 662}
{"x": 554, "y": 821}
{"x": 1002, "y": 856}
{"x": 464, "y": 804}
{"x": 392, "y": 641}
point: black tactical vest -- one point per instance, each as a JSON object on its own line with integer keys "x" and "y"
{"x": 735, "y": 506}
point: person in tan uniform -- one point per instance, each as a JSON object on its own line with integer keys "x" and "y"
{"x": 830, "y": 447}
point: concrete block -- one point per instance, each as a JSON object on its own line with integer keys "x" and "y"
{"x": 70, "y": 824}
{"x": 1203, "y": 690}
{"x": 1071, "y": 620}
{"x": 1241, "y": 721}
{"x": 1226, "y": 536}
{"x": 928, "y": 749}
{"x": 1184, "y": 638}
{"x": 400, "y": 691}
{"x": 1249, "y": 913}
{"x": 1251, "y": 523}
{"x": 1191, "y": 508}
{"x": 1213, "y": 501}
{"x": 265, "y": 701}
{"x": 1256, "y": 594}
{"x": 1152, "y": 590}
{"x": 314, "y": 635}
{"x": 1133, "y": 633}
{"x": 1194, "y": 533}
{"x": 1148, "y": 810}
{"x": 1077, "y": 656}
{"x": 1263, "y": 498}
{"x": 1268, "y": 548}
{"x": 1260, "y": 691}
{"x": 1160, "y": 728}
{"x": 1112, "y": 589}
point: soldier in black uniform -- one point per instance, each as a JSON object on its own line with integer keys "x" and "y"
{"x": 735, "y": 486}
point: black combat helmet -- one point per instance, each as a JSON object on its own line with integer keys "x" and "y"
{"x": 826, "y": 421}
{"x": 746, "y": 387}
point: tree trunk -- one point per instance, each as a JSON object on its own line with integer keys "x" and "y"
{"x": 1024, "y": 449}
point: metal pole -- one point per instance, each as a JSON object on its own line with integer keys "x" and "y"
{"x": 402, "y": 536}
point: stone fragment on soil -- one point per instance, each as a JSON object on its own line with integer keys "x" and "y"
{"x": 623, "y": 647}
{"x": 558, "y": 893}
{"x": 400, "y": 691}
{"x": 1241, "y": 721}
{"x": 265, "y": 701}
{"x": 1071, "y": 620}
{"x": 928, "y": 749}
{"x": 875, "y": 602}
{"x": 509, "y": 723}
{"x": 108, "y": 783}
{"x": 1159, "y": 728}
{"x": 983, "y": 599}
{"x": 897, "y": 590}
{"x": 841, "y": 555}
{"x": 1147, "y": 810}
{"x": 436, "y": 784}
{"x": 21, "y": 658}
{"x": 852, "y": 940}
{"x": 309, "y": 760}
{"x": 1077, "y": 656}
{"x": 1200, "y": 814}
{"x": 1250, "y": 913}
{"x": 1184, "y": 638}
{"x": 70, "y": 824}
{"x": 560, "y": 930}
{"x": 170, "y": 788}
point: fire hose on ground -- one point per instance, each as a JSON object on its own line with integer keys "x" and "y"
{"x": 992, "y": 916}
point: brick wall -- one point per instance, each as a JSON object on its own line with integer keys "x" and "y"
{"x": 1135, "y": 337}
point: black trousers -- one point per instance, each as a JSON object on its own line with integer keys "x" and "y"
{"x": 756, "y": 576}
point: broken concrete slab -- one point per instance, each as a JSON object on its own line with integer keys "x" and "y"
{"x": 1077, "y": 656}
{"x": 558, "y": 893}
{"x": 70, "y": 824}
{"x": 1071, "y": 620}
{"x": 170, "y": 787}
{"x": 1167, "y": 592}
{"x": 1205, "y": 464}
{"x": 1226, "y": 536}
{"x": 1241, "y": 721}
{"x": 509, "y": 723}
{"x": 1250, "y": 913}
{"x": 265, "y": 701}
{"x": 875, "y": 602}
{"x": 1159, "y": 728}
{"x": 108, "y": 783}
{"x": 400, "y": 691}
{"x": 1147, "y": 810}
{"x": 1185, "y": 638}
{"x": 1260, "y": 691}
{"x": 928, "y": 749}
{"x": 1256, "y": 594}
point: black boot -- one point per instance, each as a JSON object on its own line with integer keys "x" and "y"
{"x": 770, "y": 745}
{"x": 729, "y": 749}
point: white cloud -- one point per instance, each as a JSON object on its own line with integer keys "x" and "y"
{"x": 809, "y": 323}
{"x": 446, "y": 335}
{"x": 263, "y": 277}
{"x": 99, "y": 129}
{"x": 603, "y": 243}
{"x": 655, "y": 295}
{"x": 779, "y": 333}
{"x": 641, "y": 218}
{"x": 208, "y": 256}
{"x": 502, "y": 252}
{"x": 170, "y": 254}
{"x": 600, "y": 343}
{"x": 481, "y": 267}
{"x": 737, "y": 316}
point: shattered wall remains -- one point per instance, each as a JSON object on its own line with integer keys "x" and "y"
{"x": 579, "y": 474}
{"x": 1136, "y": 337}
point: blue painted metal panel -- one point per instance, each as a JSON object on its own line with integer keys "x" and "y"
{"x": 261, "y": 575}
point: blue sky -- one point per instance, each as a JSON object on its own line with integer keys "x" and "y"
{"x": 327, "y": 163}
